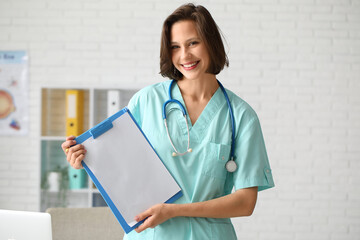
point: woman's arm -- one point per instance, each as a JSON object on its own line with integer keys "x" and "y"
{"x": 240, "y": 203}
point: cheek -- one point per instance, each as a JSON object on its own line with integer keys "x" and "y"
{"x": 173, "y": 57}
{"x": 205, "y": 55}
{"x": 206, "y": 59}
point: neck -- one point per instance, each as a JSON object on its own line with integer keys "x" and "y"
{"x": 198, "y": 89}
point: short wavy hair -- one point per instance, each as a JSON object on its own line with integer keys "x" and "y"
{"x": 208, "y": 32}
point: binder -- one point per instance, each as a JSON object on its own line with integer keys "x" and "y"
{"x": 74, "y": 126}
{"x": 74, "y": 112}
{"x": 77, "y": 178}
{"x": 126, "y": 169}
{"x": 113, "y": 102}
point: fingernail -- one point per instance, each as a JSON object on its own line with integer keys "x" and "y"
{"x": 137, "y": 218}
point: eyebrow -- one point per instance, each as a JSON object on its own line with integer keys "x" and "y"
{"x": 189, "y": 40}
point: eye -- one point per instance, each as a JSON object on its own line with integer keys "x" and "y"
{"x": 174, "y": 46}
{"x": 193, "y": 43}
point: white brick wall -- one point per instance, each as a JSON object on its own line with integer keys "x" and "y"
{"x": 296, "y": 62}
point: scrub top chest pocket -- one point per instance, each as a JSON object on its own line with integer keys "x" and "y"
{"x": 217, "y": 156}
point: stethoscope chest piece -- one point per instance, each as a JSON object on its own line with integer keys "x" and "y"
{"x": 231, "y": 166}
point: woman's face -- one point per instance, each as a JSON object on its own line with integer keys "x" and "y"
{"x": 189, "y": 54}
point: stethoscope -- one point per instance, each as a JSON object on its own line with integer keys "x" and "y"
{"x": 230, "y": 165}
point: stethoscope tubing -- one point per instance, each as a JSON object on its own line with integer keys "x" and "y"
{"x": 231, "y": 165}
{"x": 173, "y": 101}
{"x": 232, "y": 120}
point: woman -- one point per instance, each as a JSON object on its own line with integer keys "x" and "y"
{"x": 192, "y": 53}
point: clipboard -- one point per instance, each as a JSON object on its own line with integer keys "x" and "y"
{"x": 126, "y": 169}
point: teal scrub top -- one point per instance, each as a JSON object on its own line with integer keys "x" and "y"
{"x": 201, "y": 174}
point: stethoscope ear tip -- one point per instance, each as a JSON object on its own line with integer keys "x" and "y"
{"x": 189, "y": 150}
{"x": 174, "y": 154}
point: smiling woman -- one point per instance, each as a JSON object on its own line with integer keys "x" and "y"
{"x": 223, "y": 128}
{"x": 206, "y": 31}
{"x": 189, "y": 53}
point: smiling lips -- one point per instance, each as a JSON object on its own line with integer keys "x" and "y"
{"x": 190, "y": 66}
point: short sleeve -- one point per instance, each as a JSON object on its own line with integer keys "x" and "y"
{"x": 251, "y": 158}
{"x": 134, "y": 107}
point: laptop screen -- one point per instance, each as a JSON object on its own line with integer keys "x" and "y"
{"x": 22, "y": 225}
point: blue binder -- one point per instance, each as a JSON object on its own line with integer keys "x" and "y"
{"x": 116, "y": 150}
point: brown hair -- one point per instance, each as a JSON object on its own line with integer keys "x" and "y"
{"x": 208, "y": 31}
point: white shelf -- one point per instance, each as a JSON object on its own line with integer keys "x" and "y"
{"x": 94, "y": 190}
{"x": 53, "y": 133}
{"x": 74, "y": 191}
{"x": 52, "y": 138}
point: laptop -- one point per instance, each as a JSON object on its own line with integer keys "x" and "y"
{"x": 21, "y": 225}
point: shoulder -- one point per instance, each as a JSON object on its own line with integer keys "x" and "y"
{"x": 246, "y": 119}
{"x": 151, "y": 91}
{"x": 146, "y": 98}
{"x": 241, "y": 108}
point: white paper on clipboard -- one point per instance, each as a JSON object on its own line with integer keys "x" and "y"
{"x": 128, "y": 169}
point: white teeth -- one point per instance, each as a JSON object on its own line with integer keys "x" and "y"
{"x": 190, "y": 65}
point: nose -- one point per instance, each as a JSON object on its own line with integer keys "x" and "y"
{"x": 185, "y": 53}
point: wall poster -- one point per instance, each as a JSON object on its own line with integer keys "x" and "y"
{"x": 14, "y": 112}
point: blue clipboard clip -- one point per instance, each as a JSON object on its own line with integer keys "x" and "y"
{"x": 101, "y": 128}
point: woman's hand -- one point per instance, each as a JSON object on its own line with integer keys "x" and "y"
{"x": 154, "y": 216}
{"x": 75, "y": 154}
{"x": 239, "y": 203}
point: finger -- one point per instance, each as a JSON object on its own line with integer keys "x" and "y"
{"x": 147, "y": 224}
{"x": 143, "y": 215}
{"x": 68, "y": 140}
{"x": 75, "y": 155}
{"x": 67, "y": 144}
{"x": 78, "y": 161}
{"x": 76, "y": 148}
{"x": 72, "y": 150}
{"x": 70, "y": 137}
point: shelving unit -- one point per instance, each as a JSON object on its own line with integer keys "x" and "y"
{"x": 53, "y": 131}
